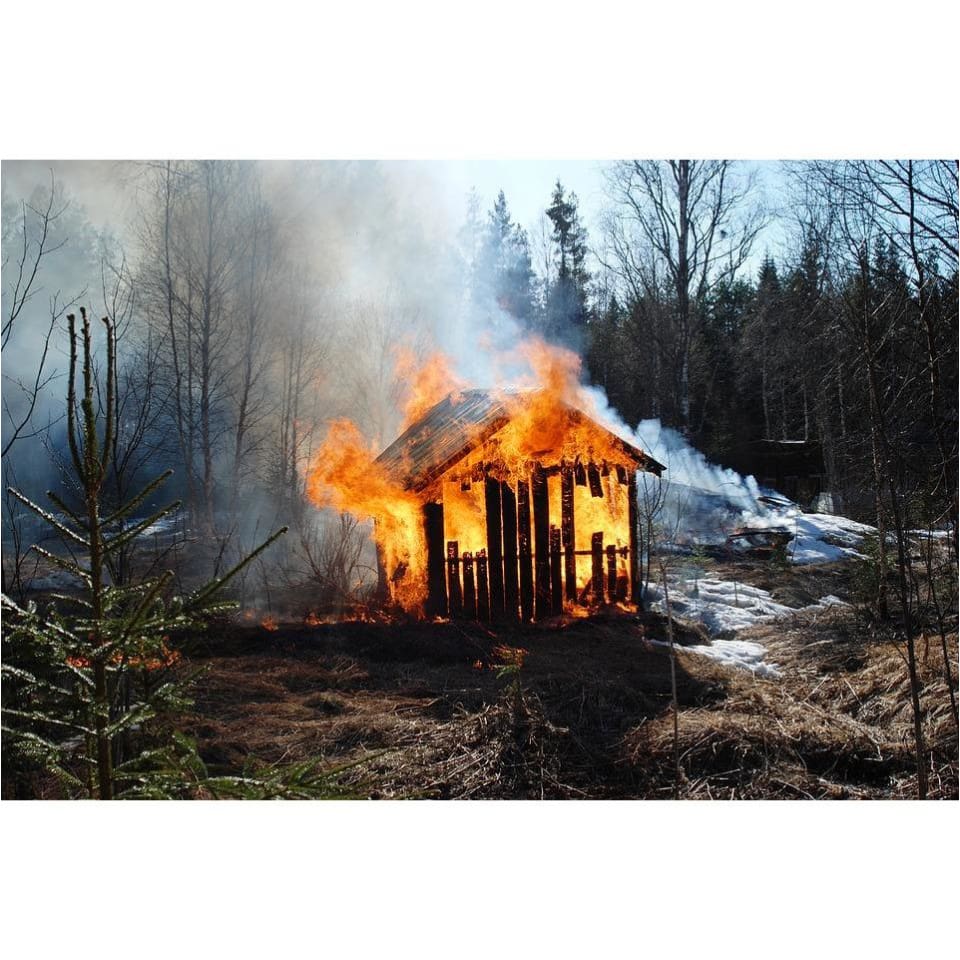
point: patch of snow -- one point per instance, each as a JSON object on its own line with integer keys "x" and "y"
{"x": 818, "y": 537}
{"x": 733, "y": 653}
{"x": 741, "y": 654}
{"x": 726, "y": 608}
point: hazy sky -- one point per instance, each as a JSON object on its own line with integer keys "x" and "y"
{"x": 102, "y": 187}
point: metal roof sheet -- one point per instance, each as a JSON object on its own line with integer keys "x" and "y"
{"x": 459, "y": 423}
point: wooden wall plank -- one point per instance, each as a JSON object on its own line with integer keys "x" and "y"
{"x": 494, "y": 546}
{"x": 556, "y": 572}
{"x": 596, "y": 549}
{"x": 436, "y": 603}
{"x": 483, "y": 591}
{"x": 469, "y": 587}
{"x": 541, "y": 542}
{"x": 511, "y": 582}
{"x": 454, "y": 593}
{"x": 568, "y": 533}
{"x": 526, "y": 554}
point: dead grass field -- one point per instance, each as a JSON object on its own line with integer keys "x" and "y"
{"x": 423, "y": 710}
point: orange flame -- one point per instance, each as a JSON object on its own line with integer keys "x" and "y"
{"x": 269, "y": 623}
{"x": 429, "y": 379}
{"x": 345, "y": 476}
{"x": 545, "y": 427}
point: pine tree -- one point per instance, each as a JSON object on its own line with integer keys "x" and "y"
{"x": 503, "y": 274}
{"x": 88, "y": 681}
{"x": 566, "y": 299}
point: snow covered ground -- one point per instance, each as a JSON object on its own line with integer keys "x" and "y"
{"x": 822, "y": 537}
{"x": 726, "y": 608}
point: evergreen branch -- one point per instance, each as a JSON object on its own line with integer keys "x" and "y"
{"x": 40, "y": 717}
{"x": 69, "y": 565}
{"x": 35, "y": 621}
{"x": 70, "y": 598}
{"x": 111, "y": 545}
{"x": 32, "y": 680}
{"x": 138, "y": 714}
{"x": 136, "y": 618}
{"x": 50, "y": 518}
{"x": 57, "y": 502}
{"x": 135, "y": 502}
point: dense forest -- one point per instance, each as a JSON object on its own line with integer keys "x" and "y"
{"x": 248, "y": 306}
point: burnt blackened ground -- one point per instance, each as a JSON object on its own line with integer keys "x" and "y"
{"x": 422, "y": 707}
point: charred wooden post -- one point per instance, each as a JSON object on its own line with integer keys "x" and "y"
{"x": 483, "y": 591}
{"x": 436, "y": 603}
{"x": 611, "y": 572}
{"x": 511, "y": 584}
{"x": 556, "y": 575}
{"x": 453, "y": 578}
{"x": 469, "y": 588}
{"x": 634, "y": 519}
{"x": 580, "y": 474}
{"x": 596, "y": 551}
{"x": 622, "y": 474}
{"x": 593, "y": 475}
{"x": 494, "y": 546}
{"x": 568, "y": 531}
{"x": 526, "y": 556}
{"x": 541, "y": 541}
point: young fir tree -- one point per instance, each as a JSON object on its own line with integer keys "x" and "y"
{"x": 88, "y": 682}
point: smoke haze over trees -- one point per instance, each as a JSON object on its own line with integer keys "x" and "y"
{"x": 256, "y": 301}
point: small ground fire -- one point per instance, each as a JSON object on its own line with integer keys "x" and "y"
{"x": 508, "y": 504}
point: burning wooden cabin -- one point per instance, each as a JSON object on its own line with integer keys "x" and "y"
{"x": 529, "y": 509}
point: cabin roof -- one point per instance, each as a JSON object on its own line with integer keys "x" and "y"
{"x": 458, "y": 424}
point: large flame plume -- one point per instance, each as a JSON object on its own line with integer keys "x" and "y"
{"x": 545, "y": 428}
{"x": 344, "y": 475}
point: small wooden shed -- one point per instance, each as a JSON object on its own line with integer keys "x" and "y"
{"x": 522, "y": 520}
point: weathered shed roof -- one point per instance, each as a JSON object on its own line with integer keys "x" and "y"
{"x": 459, "y": 423}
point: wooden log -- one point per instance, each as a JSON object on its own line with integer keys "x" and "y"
{"x": 556, "y": 573}
{"x": 611, "y": 572}
{"x": 541, "y": 542}
{"x": 593, "y": 475}
{"x": 568, "y": 532}
{"x": 483, "y": 591}
{"x": 436, "y": 602}
{"x": 494, "y": 546}
{"x": 526, "y": 554}
{"x": 511, "y": 582}
{"x": 634, "y": 520}
{"x": 454, "y": 593}
{"x": 469, "y": 588}
{"x": 596, "y": 549}
{"x": 580, "y": 474}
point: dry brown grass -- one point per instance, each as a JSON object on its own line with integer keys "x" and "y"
{"x": 594, "y": 720}
{"x": 837, "y": 724}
